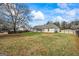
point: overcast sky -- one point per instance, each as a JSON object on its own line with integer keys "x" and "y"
{"x": 44, "y": 12}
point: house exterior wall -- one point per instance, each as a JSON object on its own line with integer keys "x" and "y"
{"x": 37, "y": 30}
{"x": 20, "y": 29}
{"x": 45, "y": 30}
{"x": 50, "y": 30}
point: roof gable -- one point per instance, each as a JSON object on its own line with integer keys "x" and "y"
{"x": 46, "y": 26}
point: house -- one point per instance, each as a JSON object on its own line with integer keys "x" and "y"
{"x": 23, "y": 28}
{"x": 20, "y": 27}
{"x": 49, "y": 27}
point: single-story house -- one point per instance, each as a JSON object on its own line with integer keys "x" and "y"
{"x": 49, "y": 27}
{"x": 23, "y": 28}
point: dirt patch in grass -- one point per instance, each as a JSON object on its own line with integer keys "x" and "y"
{"x": 11, "y": 36}
{"x": 4, "y": 33}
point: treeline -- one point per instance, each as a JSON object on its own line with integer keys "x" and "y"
{"x": 68, "y": 25}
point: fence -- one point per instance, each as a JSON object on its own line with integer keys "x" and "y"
{"x": 68, "y": 31}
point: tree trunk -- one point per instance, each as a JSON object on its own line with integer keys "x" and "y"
{"x": 14, "y": 29}
{"x": 14, "y": 26}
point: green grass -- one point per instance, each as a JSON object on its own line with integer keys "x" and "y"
{"x": 33, "y": 43}
{"x": 31, "y": 33}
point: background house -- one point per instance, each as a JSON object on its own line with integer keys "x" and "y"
{"x": 23, "y": 27}
{"x": 49, "y": 27}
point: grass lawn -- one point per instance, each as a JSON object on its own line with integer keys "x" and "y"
{"x": 33, "y": 43}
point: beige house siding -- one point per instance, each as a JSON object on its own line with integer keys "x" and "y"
{"x": 50, "y": 30}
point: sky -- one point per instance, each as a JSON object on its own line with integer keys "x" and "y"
{"x": 43, "y": 12}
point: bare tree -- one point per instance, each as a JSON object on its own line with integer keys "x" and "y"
{"x": 15, "y": 14}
